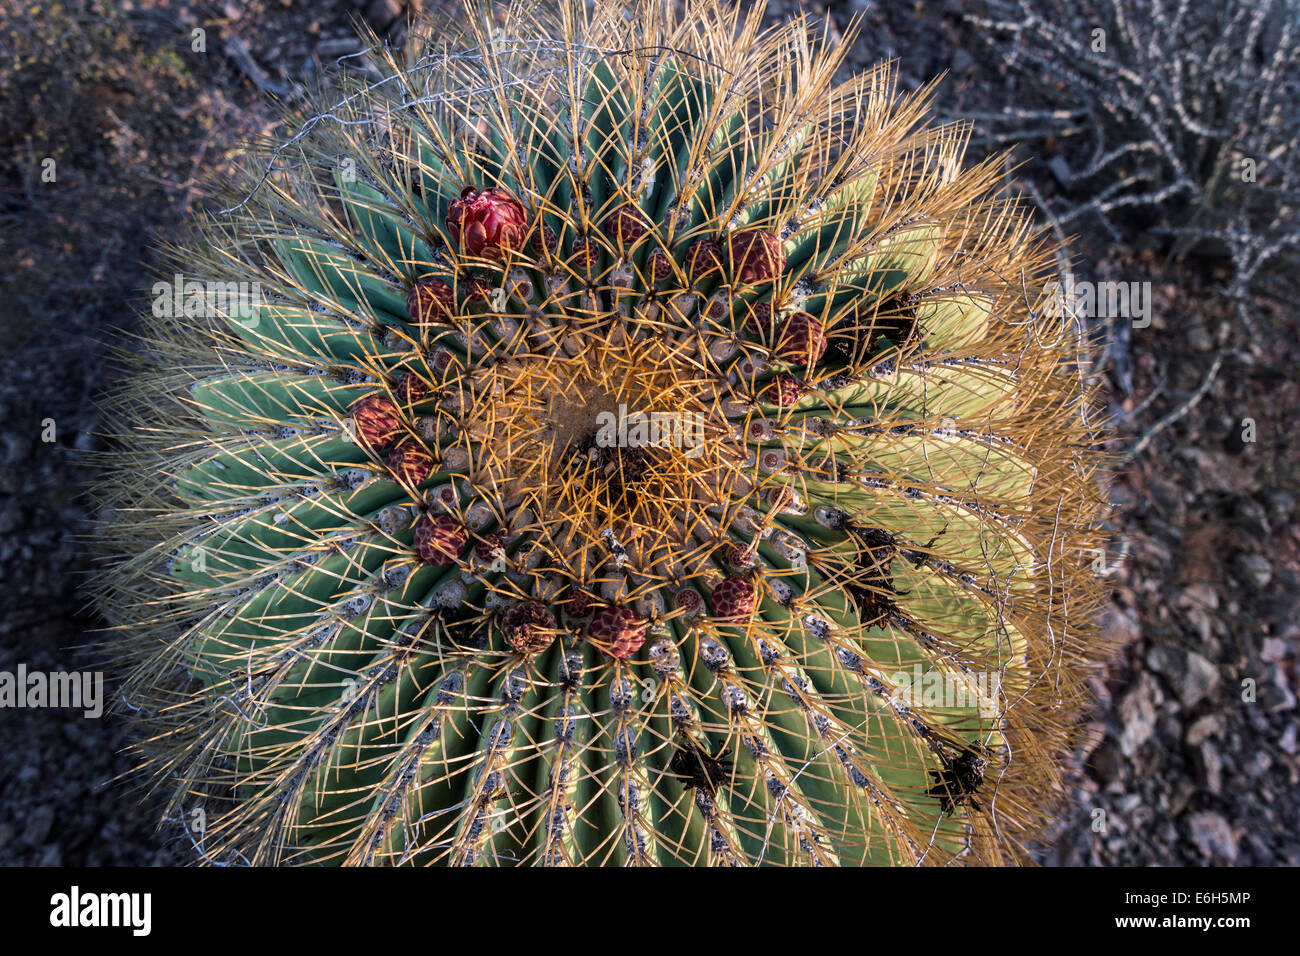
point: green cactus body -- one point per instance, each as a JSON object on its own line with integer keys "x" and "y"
{"x": 642, "y": 451}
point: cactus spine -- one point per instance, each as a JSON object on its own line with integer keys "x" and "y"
{"x": 643, "y": 450}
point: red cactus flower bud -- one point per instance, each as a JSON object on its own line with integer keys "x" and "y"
{"x": 759, "y": 318}
{"x": 376, "y": 421}
{"x": 618, "y": 631}
{"x": 802, "y": 339}
{"x": 586, "y": 253}
{"x": 439, "y": 540}
{"x": 733, "y": 600}
{"x": 577, "y": 602}
{"x": 703, "y": 258}
{"x": 782, "y": 391}
{"x": 430, "y": 301}
{"x": 756, "y": 255}
{"x": 529, "y": 628}
{"x": 626, "y": 225}
{"x": 660, "y": 265}
{"x": 411, "y": 388}
{"x": 484, "y": 222}
{"x": 544, "y": 241}
{"x": 411, "y": 462}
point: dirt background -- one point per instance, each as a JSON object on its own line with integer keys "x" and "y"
{"x": 1178, "y": 767}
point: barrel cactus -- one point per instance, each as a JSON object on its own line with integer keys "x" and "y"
{"x": 628, "y": 445}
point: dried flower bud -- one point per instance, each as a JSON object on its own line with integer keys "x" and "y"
{"x": 659, "y": 265}
{"x": 626, "y": 225}
{"x": 529, "y": 628}
{"x": 758, "y": 319}
{"x": 544, "y": 241}
{"x": 802, "y": 340}
{"x": 430, "y": 302}
{"x": 439, "y": 540}
{"x": 586, "y": 253}
{"x": 703, "y": 258}
{"x": 411, "y": 388}
{"x": 782, "y": 391}
{"x": 756, "y": 256}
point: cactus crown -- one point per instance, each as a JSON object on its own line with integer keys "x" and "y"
{"x": 640, "y": 449}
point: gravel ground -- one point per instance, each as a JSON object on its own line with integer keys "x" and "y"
{"x": 1191, "y": 752}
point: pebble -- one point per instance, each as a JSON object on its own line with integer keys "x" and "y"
{"x": 1209, "y": 766}
{"x": 1288, "y": 740}
{"x": 1213, "y": 836}
{"x": 1211, "y": 725}
{"x": 1257, "y": 568}
{"x": 1199, "y": 680}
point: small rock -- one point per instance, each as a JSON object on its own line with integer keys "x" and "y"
{"x": 1213, "y": 836}
{"x": 1276, "y": 695}
{"x": 1287, "y": 741}
{"x": 1209, "y": 766}
{"x": 1199, "y": 340}
{"x": 1283, "y": 503}
{"x": 1128, "y": 803}
{"x": 1211, "y": 725}
{"x": 1256, "y": 568}
{"x": 1120, "y": 624}
{"x": 1260, "y": 765}
{"x": 39, "y": 822}
{"x": 1182, "y": 794}
{"x": 1105, "y": 762}
{"x": 1258, "y": 722}
{"x": 1169, "y": 662}
{"x": 1199, "y": 680}
{"x": 1137, "y": 711}
{"x": 1251, "y": 520}
{"x": 1273, "y": 650}
{"x": 51, "y": 855}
